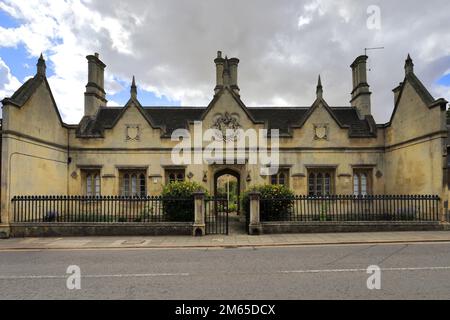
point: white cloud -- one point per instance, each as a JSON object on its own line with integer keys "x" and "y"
{"x": 8, "y": 83}
{"x": 283, "y": 46}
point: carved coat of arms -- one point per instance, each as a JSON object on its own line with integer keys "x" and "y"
{"x": 320, "y": 131}
{"x": 132, "y": 132}
{"x": 227, "y": 125}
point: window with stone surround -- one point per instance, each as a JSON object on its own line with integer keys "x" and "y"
{"x": 281, "y": 178}
{"x": 362, "y": 182}
{"x": 320, "y": 181}
{"x": 133, "y": 183}
{"x": 91, "y": 182}
{"x": 175, "y": 175}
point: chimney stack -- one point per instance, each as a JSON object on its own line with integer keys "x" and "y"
{"x": 360, "y": 93}
{"x": 226, "y": 73}
{"x": 94, "y": 97}
{"x": 219, "y": 61}
{"x": 233, "y": 63}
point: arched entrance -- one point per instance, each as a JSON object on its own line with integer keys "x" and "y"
{"x": 227, "y": 184}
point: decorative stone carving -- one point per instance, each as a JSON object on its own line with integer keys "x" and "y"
{"x": 321, "y": 132}
{"x": 224, "y": 122}
{"x": 132, "y": 132}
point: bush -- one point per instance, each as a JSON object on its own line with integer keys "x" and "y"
{"x": 178, "y": 200}
{"x": 275, "y": 209}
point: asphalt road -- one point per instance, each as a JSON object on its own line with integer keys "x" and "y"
{"x": 408, "y": 271}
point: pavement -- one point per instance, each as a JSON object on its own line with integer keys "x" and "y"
{"x": 223, "y": 241}
{"x": 405, "y": 271}
{"x": 237, "y": 238}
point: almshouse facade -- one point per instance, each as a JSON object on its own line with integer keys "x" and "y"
{"x": 323, "y": 149}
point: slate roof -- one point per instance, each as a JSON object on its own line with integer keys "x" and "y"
{"x": 171, "y": 118}
{"x": 25, "y": 91}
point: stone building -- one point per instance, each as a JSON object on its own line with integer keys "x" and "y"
{"x": 127, "y": 150}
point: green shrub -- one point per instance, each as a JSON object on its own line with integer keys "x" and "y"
{"x": 232, "y": 207}
{"x": 277, "y": 206}
{"x": 178, "y": 200}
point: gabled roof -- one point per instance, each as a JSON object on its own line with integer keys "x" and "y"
{"x": 423, "y": 93}
{"x": 235, "y": 97}
{"x": 26, "y": 91}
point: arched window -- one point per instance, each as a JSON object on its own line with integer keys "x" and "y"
{"x": 355, "y": 184}
{"x": 320, "y": 182}
{"x": 126, "y": 185}
{"x": 327, "y": 183}
{"x": 175, "y": 175}
{"x": 89, "y": 185}
{"x": 362, "y": 182}
{"x": 133, "y": 183}
{"x": 280, "y": 178}
{"x": 92, "y": 183}
{"x": 312, "y": 184}
{"x": 142, "y": 188}
{"x": 273, "y": 179}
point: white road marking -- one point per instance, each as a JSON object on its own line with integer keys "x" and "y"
{"x": 131, "y": 275}
{"x": 364, "y": 270}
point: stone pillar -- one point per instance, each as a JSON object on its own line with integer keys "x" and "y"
{"x": 255, "y": 223}
{"x": 199, "y": 220}
{"x": 444, "y": 210}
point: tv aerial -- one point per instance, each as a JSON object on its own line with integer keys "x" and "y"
{"x": 369, "y": 49}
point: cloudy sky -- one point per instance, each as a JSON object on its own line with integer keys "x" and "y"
{"x": 170, "y": 47}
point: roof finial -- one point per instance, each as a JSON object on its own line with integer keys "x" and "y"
{"x": 41, "y": 67}
{"x": 133, "y": 89}
{"x": 409, "y": 65}
{"x": 319, "y": 89}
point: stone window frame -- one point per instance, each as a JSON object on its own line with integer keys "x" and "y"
{"x": 128, "y": 188}
{"x": 318, "y": 175}
{"x": 175, "y": 175}
{"x": 357, "y": 177}
{"x": 283, "y": 173}
{"x": 92, "y": 182}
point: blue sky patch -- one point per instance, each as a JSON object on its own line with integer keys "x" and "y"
{"x": 19, "y": 61}
{"x": 146, "y": 98}
{"x": 445, "y": 80}
{"x": 6, "y": 21}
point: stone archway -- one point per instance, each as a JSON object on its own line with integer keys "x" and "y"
{"x": 233, "y": 173}
{"x": 237, "y": 222}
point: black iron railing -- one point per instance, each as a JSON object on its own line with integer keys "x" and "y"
{"x": 101, "y": 209}
{"x": 216, "y": 215}
{"x": 351, "y": 208}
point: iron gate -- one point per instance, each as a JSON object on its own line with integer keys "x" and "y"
{"x": 216, "y": 215}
